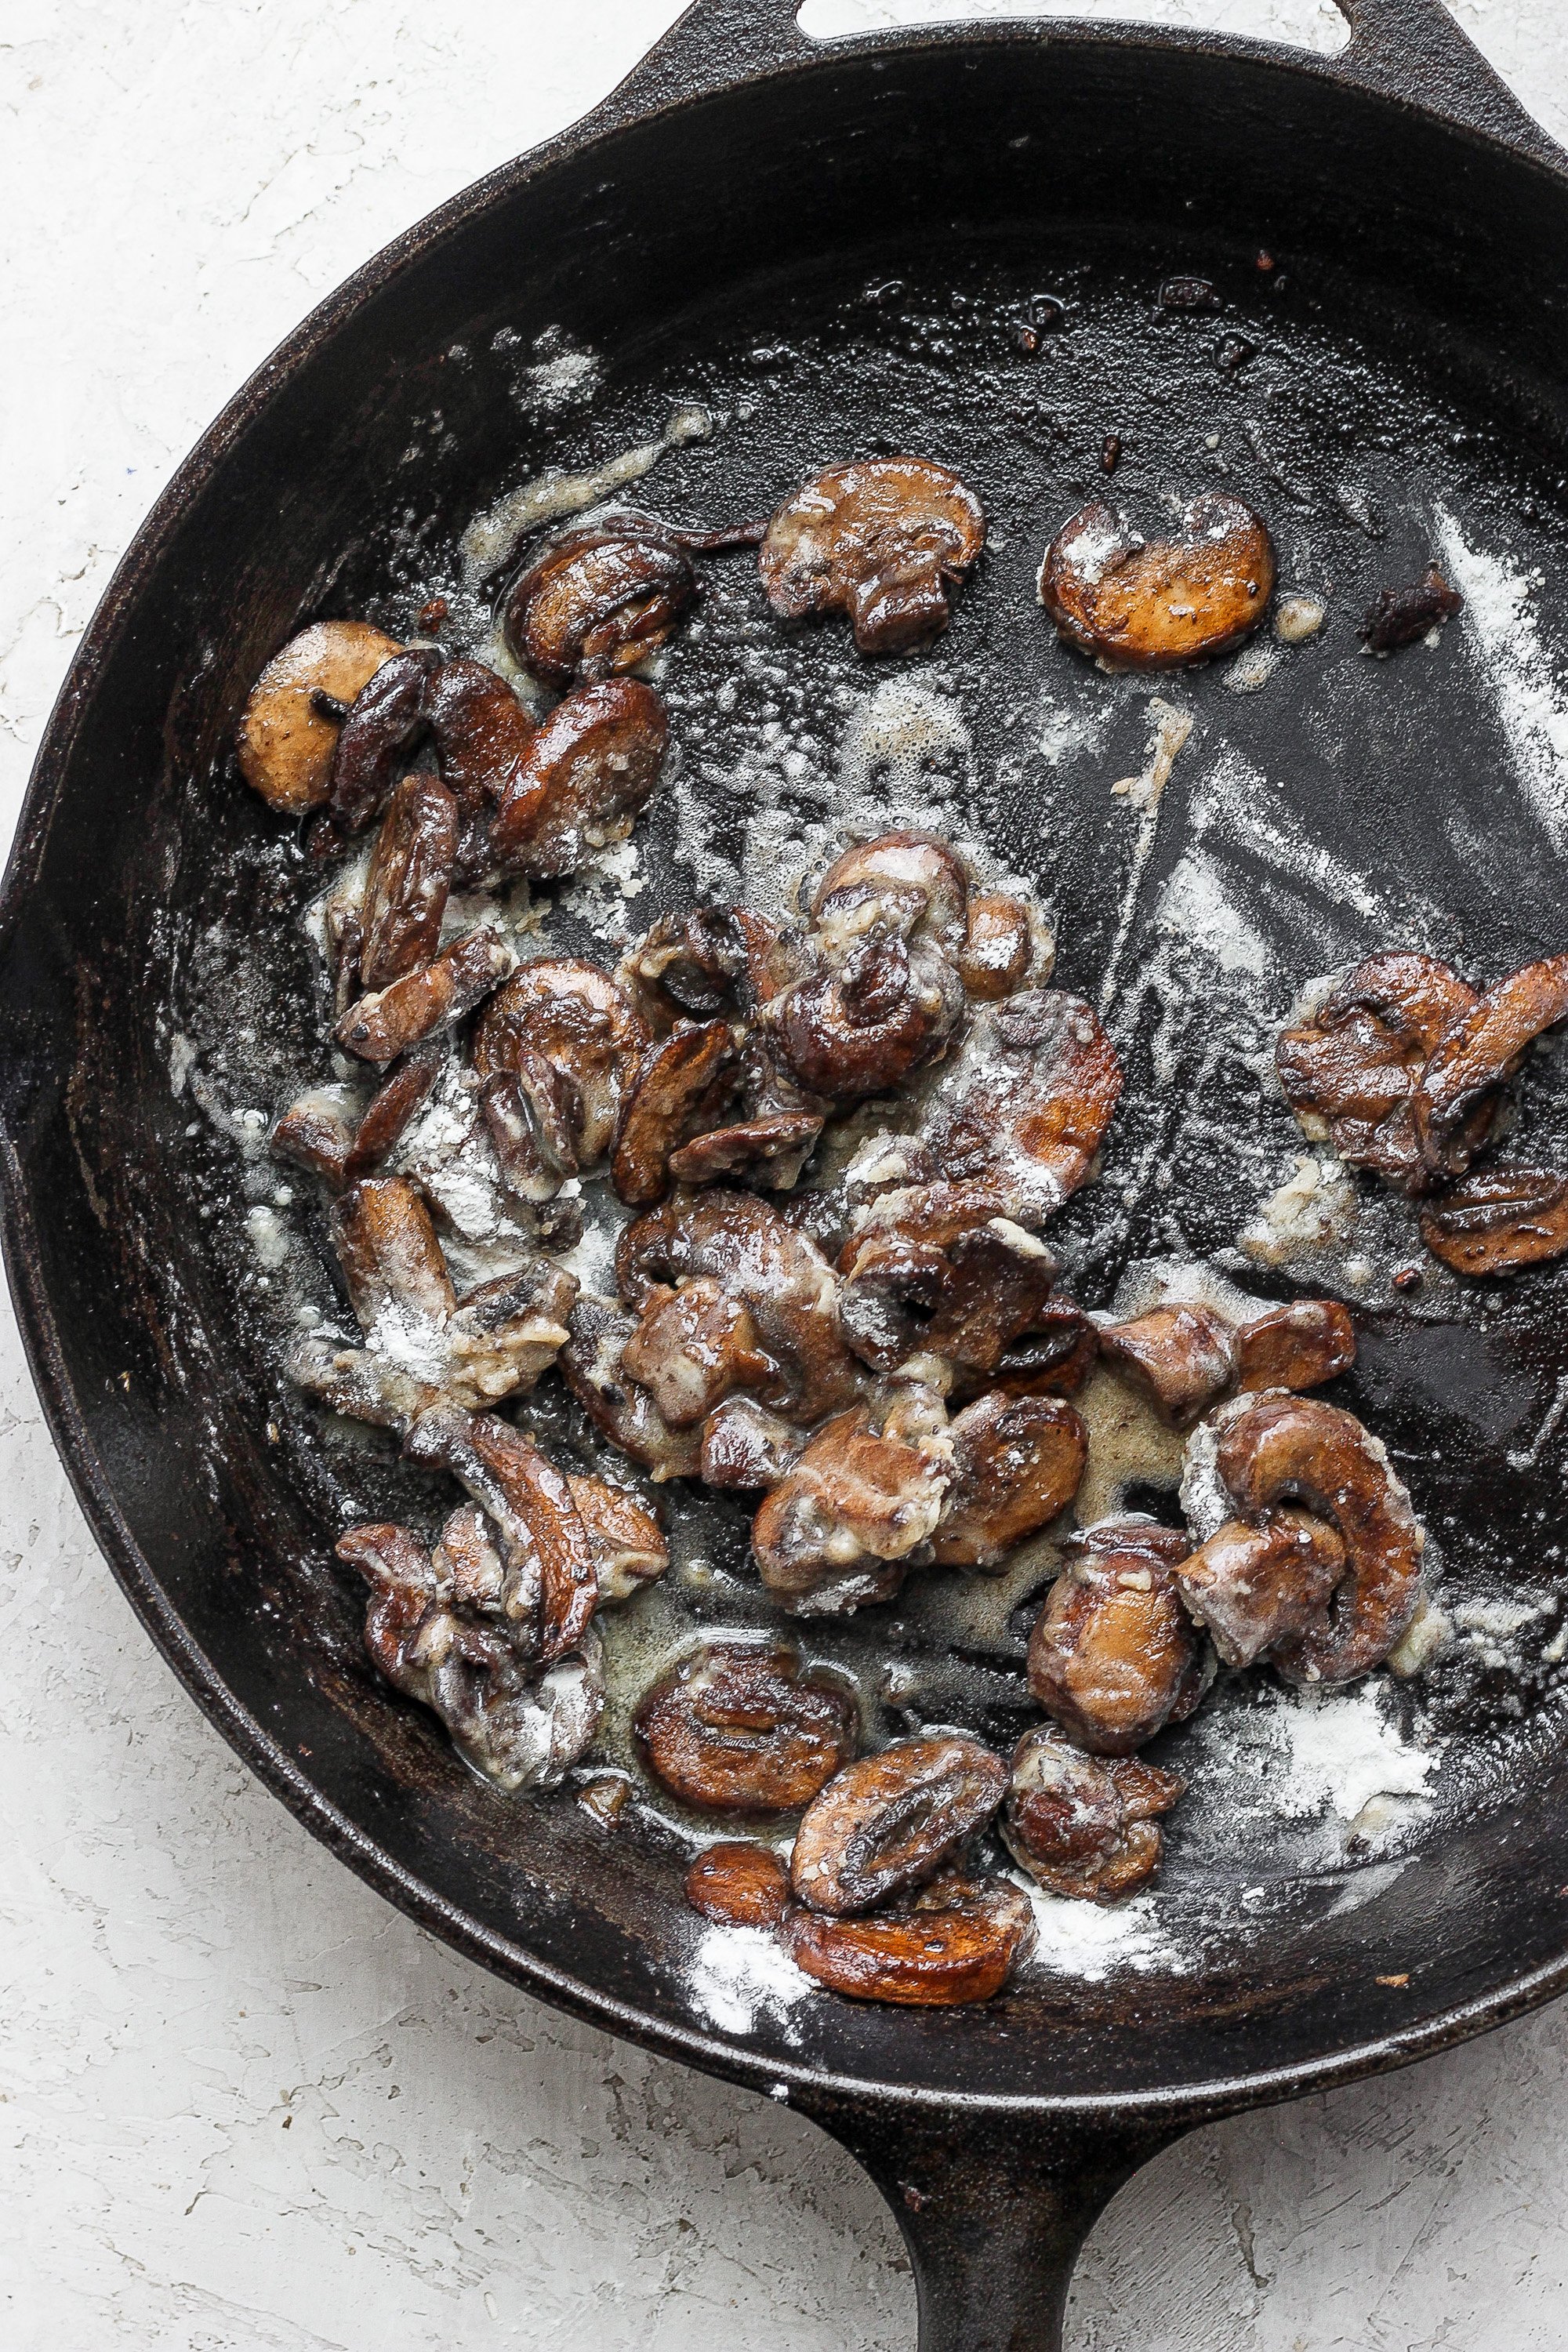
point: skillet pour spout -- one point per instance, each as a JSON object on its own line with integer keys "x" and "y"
{"x": 738, "y": 160}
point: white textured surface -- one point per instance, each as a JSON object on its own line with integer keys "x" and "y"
{"x": 244, "y": 2107}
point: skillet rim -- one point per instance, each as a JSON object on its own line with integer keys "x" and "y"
{"x": 646, "y": 94}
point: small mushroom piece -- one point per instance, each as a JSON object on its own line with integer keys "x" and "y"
{"x": 836, "y": 1531}
{"x": 889, "y": 1823}
{"x": 287, "y": 738}
{"x": 1037, "y": 1113}
{"x": 738, "y": 1884}
{"x": 583, "y": 779}
{"x": 386, "y": 1021}
{"x": 407, "y": 888}
{"x": 625, "y": 1540}
{"x": 1181, "y": 1356}
{"x": 1156, "y": 605}
{"x": 317, "y": 1133}
{"x": 882, "y": 540}
{"x": 1478, "y": 1054}
{"x": 872, "y": 1012}
{"x": 967, "y": 1297}
{"x": 771, "y": 1151}
{"x": 389, "y": 1113}
{"x": 1500, "y": 1221}
{"x": 1298, "y": 1346}
{"x": 745, "y": 1446}
{"x": 744, "y": 1727}
{"x": 1053, "y": 1359}
{"x": 1401, "y": 616}
{"x": 482, "y": 733}
{"x": 680, "y": 1086}
{"x": 956, "y": 1943}
{"x": 1004, "y": 946}
{"x": 1355, "y": 1067}
{"x": 596, "y": 601}
{"x": 533, "y": 1114}
{"x": 579, "y": 1021}
{"x": 552, "y": 1586}
{"x": 1253, "y": 1587}
{"x": 589, "y": 1364}
{"x": 1018, "y": 1462}
{"x": 908, "y": 882}
{"x": 1112, "y": 1656}
{"x": 391, "y": 1262}
{"x": 386, "y": 720}
{"x": 1081, "y": 1825}
{"x": 1278, "y": 1448}
{"x": 693, "y": 1347}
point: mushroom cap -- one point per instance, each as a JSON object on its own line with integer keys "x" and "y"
{"x": 598, "y": 601}
{"x": 879, "y": 539}
{"x": 1157, "y": 604}
{"x": 285, "y": 746}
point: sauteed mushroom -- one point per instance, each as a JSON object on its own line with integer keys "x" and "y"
{"x": 582, "y": 781}
{"x": 407, "y": 887}
{"x": 836, "y": 1531}
{"x": 889, "y": 1823}
{"x": 1081, "y": 1825}
{"x": 693, "y": 1347}
{"x": 551, "y": 1583}
{"x": 954, "y": 1943}
{"x": 579, "y": 1021}
{"x": 590, "y": 1365}
{"x": 1478, "y": 1052}
{"x": 1498, "y": 1220}
{"x": 1276, "y": 1448}
{"x": 1018, "y": 1462}
{"x": 1154, "y": 604}
{"x": 968, "y": 1296}
{"x": 1399, "y": 616}
{"x": 624, "y": 1538}
{"x": 1181, "y": 1356}
{"x": 681, "y": 1086}
{"x": 1005, "y": 946}
{"x": 598, "y": 601}
{"x": 1112, "y": 1656}
{"x": 905, "y": 882}
{"x": 288, "y": 734}
{"x": 1298, "y": 1346}
{"x": 882, "y": 540}
{"x": 386, "y": 1021}
{"x": 390, "y": 1112}
{"x": 384, "y": 722}
{"x": 745, "y": 1446}
{"x": 739, "y": 1884}
{"x": 1355, "y": 1066}
{"x": 1030, "y": 1105}
{"x": 740, "y": 1727}
{"x": 1255, "y": 1587}
{"x": 482, "y": 733}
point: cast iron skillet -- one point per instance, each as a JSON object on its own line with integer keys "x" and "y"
{"x": 715, "y": 216}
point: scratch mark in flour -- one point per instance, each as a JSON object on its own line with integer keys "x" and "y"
{"x": 1144, "y": 792}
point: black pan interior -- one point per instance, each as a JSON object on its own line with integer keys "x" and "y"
{"x": 835, "y": 263}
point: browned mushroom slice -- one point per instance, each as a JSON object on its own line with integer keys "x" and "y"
{"x": 391, "y": 1259}
{"x": 891, "y": 1822}
{"x": 956, "y": 1943}
{"x": 589, "y": 1364}
{"x": 1399, "y": 616}
{"x": 317, "y": 1133}
{"x": 577, "y": 1019}
{"x": 764, "y": 1149}
{"x": 836, "y": 1531}
{"x": 1154, "y": 604}
{"x": 1018, "y": 1462}
{"x": 1255, "y": 1587}
{"x": 882, "y": 540}
{"x": 1181, "y": 1356}
{"x": 1113, "y": 1657}
{"x": 534, "y": 1115}
{"x": 1355, "y": 1066}
{"x": 745, "y": 1446}
{"x": 1476, "y": 1056}
{"x": 1500, "y": 1221}
{"x": 481, "y": 731}
{"x": 863, "y": 1023}
{"x": 396, "y": 1103}
{"x": 680, "y": 1086}
{"x": 1035, "y": 1119}
{"x": 1295, "y": 1347}
{"x": 738, "y": 1884}
{"x": 385, "y": 722}
{"x": 740, "y": 1727}
{"x": 967, "y": 1300}
{"x": 1278, "y": 1448}
{"x": 289, "y": 731}
{"x": 1083, "y": 1826}
{"x": 506, "y": 1333}
{"x": 625, "y": 1540}
{"x": 693, "y": 1347}
{"x": 999, "y": 947}
{"x": 1054, "y": 1357}
{"x": 387, "y": 1021}
{"x": 552, "y": 1583}
{"x": 912, "y": 882}
{"x": 585, "y": 774}
{"x": 596, "y": 601}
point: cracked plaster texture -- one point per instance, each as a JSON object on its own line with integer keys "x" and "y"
{"x": 244, "y": 2105}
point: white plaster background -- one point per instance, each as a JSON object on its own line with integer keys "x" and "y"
{"x": 244, "y": 2105}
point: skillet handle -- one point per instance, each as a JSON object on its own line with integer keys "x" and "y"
{"x": 994, "y": 2211}
{"x": 1414, "y": 50}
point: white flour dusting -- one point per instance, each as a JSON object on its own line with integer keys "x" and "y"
{"x": 1088, "y": 1940}
{"x": 739, "y": 1973}
{"x": 1330, "y": 1758}
{"x": 1500, "y": 622}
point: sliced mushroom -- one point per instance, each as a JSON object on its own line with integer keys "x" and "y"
{"x": 681, "y": 1087}
{"x": 1500, "y": 1221}
{"x": 711, "y": 961}
{"x": 738, "y": 1884}
{"x": 771, "y": 1151}
{"x": 968, "y": 1298}
{"x": 1018, "y": 1462}
{"x": 836, "y": 1532}
{"x": 583, "y": 779}
{"x": 890, "y": 1823}
{"x": 693, "y": 1347}
{"x": 1113, "y": 1657}
{"x": 909, "y": 882}
{"x": 407, "y": 884}
{"x": 743, "y": 1728}
{"x": 1154, "y": 604}
{"x": 317, "y": 1132}
{"x": 1255, "y": 1587}
{"x": 1005, "y": 946}
{"x": 533, "y": 1113}
{"x": 1478, "y": 1054}
{"x": 1030, "y": 1105}
{"x": 577, "y": 1019}
{"x": 1355, "y": 1067}
{"x": 745, "y": 1446}
{"x": 1399, "y": 616}
{"x": 882, "y": 540}
{"x": 590, "y": 1365}
{"x": 482, "y": 733}
{"x": 955, "y": 1943}
{"x": 289, "y": 732}
{"x": 1298, "y": 1346}
{"x": 1278, "y": 1448}
{"x": 552, "y": 1584}
{"x": 386, "y": 1021}
{"x": 1082, "y": 1826}
{"x": 1181, "y": 1357}
{"x": 870, "y": 1014}
{"x": 389, "y": 1113}
{"x": 598, "y": 601}
{"x": 385, "y": 722}
{"x": 624, "y": 1538}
